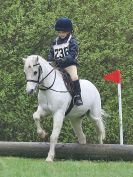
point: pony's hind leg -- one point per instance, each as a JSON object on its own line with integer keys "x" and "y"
{"x": 37, "y": 116}
{"x": 77, "y": 127}
{"x": 97, "y": 119}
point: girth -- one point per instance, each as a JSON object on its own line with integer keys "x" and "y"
{"x": 70, "y": 107}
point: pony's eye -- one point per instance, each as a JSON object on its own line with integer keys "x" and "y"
{"x": 35, "y": 72}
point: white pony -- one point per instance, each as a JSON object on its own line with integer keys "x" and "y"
{"x": 55, "y": 100}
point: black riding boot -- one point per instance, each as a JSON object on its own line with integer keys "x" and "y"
{"x": 77, "y": 93}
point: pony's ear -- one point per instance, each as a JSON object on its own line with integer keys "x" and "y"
{"x": 24, "y": 59}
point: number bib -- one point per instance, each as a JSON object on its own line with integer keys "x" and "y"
{"x": 61, "y": 50}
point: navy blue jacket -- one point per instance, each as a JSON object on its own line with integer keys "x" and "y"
{"x": 71, "y": 58}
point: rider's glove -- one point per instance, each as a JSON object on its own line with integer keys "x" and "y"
{"x": 62, "y": 59}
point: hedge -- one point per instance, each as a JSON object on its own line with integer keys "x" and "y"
{"x": 104, "y": 31}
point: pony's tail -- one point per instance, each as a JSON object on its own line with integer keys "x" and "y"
{"x": 103, "y": 116}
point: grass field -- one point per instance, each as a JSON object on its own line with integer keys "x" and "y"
{"x": 20, "y": 167}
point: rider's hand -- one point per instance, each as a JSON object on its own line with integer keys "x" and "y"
{"x": 62, "y": 59}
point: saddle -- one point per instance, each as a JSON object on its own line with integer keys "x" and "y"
{"x": 67, "y": 81}
{"x": 69, "y": 85}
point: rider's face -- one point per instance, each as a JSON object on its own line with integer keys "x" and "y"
{"x": 62, "y": 34}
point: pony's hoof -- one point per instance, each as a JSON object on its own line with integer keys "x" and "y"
{"x": 48, "y": 160}
{"x": 82, "y": 142}
{"x": 42, "y": 134}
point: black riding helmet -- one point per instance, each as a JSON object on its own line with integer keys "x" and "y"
{"x": 63, "y": 24}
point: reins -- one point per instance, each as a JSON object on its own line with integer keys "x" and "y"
{"x": 50, "y": 88}
{"x": 47, "y": 88}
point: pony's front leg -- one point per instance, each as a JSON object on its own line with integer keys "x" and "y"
{"x": 57, "y": 125}
{"x": 37, "y": 116}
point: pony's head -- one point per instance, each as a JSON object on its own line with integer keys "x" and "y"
{"x": 32, "y": 71}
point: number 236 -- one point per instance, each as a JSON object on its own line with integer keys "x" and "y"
{"x": 61, "y": 52}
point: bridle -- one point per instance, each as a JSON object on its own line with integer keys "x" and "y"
{"x": 39, "y": 75}
{"x": 39, "y": 82}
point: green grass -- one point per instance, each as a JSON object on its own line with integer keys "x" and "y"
{"x": 20, "y": 167}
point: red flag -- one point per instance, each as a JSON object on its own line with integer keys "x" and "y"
{"x": 114, "y": 77}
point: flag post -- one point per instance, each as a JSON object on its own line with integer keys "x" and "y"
{"x": 116, "y": 78}
{"x": 120, "y": 113}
